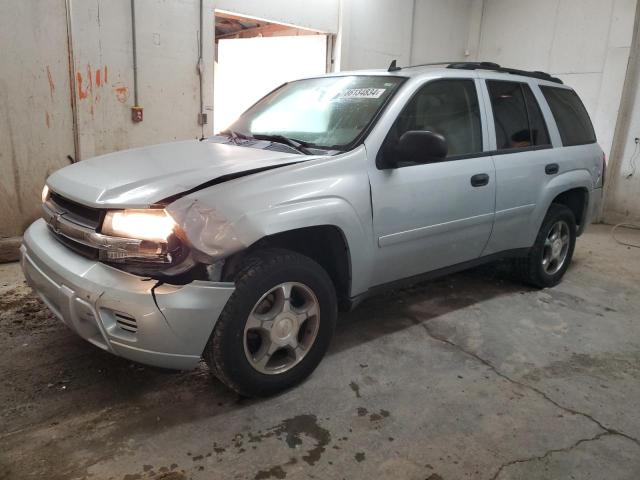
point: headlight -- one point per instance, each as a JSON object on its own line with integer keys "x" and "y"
{"x": 144, "y": 224}
{"x": 45, "y": 194}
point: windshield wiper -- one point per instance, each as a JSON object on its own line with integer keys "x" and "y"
{"x": 235, "y": 135}
{"x": 298, "y": 145}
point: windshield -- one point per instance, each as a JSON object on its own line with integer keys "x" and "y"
{"x": 327, "y": 112}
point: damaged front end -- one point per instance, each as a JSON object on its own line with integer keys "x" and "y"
{"x": 141, "y": 241}
{"x": 179, "y": 243}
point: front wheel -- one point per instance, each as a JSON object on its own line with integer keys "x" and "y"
{"x": 552, "y": 251}
{"x": 277, "y": 325}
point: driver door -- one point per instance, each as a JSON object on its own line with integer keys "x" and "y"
{"x": 427, "y": 216}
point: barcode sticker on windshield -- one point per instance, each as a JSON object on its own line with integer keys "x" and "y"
{"x": 363, "y": 93}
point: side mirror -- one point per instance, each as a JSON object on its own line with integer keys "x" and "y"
{"x": 422, "y": 146}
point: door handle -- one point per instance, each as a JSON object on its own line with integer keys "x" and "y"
{"x": 551, "y": 169}
{"x": 480, "y": 180}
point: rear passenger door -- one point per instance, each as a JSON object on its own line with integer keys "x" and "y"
{"x": 523, "y": 158}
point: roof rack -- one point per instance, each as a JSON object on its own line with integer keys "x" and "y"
{"x": 497, "y": 68}
{"x": 482, "y": 66}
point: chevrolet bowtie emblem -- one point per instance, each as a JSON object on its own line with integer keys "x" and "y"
{"x": 55, "y": 222}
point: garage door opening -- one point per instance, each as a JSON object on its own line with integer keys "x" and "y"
{"x": 255, "y": 56}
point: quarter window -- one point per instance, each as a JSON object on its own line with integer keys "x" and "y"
{"x": 447, "y": 107}
{"x": 571, "y": 117}
{"x": 518, "y": 120}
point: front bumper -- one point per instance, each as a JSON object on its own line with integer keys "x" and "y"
{"x": 116, "y": 310}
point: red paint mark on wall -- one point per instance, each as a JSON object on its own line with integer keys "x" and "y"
{"x": 121, "y": 91}
{"x": 82, "y": 93}
{"x": 89, "y": 78}
{"x": 52, "y": 86}
{"x": 86, "y": 85}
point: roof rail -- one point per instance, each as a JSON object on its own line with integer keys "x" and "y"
{"x": 394, "y": 67}
{"x": 497, "y": 68}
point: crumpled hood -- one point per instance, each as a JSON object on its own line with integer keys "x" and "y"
{"x": 141, "y": 177}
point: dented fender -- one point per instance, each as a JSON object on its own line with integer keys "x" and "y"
{"x": 226, "y": 218}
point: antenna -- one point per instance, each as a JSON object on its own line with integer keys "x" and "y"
{"x": 393, "y": 67}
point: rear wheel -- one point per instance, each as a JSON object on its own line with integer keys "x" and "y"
{"x": 552, "y": 251}
{"x": 277, "y": 325}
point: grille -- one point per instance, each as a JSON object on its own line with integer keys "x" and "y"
{"x": 125, "y": 322}
{"x": 85, "y": 217}
{"x": 84, "y": 250}
{"x": 80, "y": 214}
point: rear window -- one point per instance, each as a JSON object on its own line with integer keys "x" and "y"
{"x": 517, "y": 117}
{"x": 571, "y": 117}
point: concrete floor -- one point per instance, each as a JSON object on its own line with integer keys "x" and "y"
{"x": 471, "y": 376}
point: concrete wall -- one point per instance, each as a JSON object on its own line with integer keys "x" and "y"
{"x": 36, "y": 127}
{"x": 622, "y": 192}
{"x": 36, "y": 132}
{"x": 375, "y": 32}
{"x": 584, "y": 42}
{"x": 167, "y": 43}
{"x": 441, "y": 30}
{"x": 319, "y": 15}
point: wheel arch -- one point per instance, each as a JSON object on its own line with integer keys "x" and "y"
{"x": 576, "y": 200}
{"x": 326, "y": 244}
{"x": 571, "y": 189}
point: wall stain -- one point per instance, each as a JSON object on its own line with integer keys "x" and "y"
{"x": 14, "y": 159}
{"x": 82, "y": 93}
{"x": 360, "y": 456}
{"x": 85, "y": 85}
{"x": 46, "y": 119}
{"x": 121, "y": 91}
{"x": 52, "y": 86}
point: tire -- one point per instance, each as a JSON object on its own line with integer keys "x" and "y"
{"x": 531, "y": 269}
{"x": 262, "y": 279}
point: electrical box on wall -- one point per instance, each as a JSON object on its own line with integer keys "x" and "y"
{"x": 136, "y": 114}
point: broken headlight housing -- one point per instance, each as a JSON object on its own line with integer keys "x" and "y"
{"x": 154, "y": 225}
{"x": 145, "y": 239}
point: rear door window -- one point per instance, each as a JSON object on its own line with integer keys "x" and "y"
{"x": 570, "y": 115}
{"x": 518, "y": 120}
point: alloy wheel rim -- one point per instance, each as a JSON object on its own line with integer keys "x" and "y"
{"x": 281, "y": 328}
{"x": 556, "y": 248}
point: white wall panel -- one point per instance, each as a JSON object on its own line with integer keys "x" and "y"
{"x": 584, "y": 42}
{"x": 167, "y": 43}
{"x": 321, "y": 15}
{"x": 580, "y": 36}
{"x": 36, "y": 132}
{"x": 622, "y": 20}
{"x": 375, "y": 32}
{"x": 608, "y": 105}
{"x": 518, "y": 33}
{"x": 440, "y": 30}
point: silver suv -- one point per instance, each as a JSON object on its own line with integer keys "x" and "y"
{"x": 240, "y": 248}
